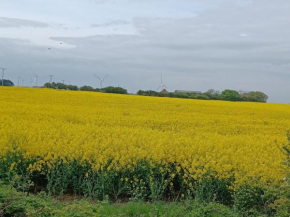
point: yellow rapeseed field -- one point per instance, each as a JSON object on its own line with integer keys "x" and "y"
{"x": 237, "y": 140}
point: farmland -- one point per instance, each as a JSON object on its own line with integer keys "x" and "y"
{"x": 124, "y": 146}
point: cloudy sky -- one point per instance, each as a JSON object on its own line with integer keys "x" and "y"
{"x": 194, "y": 44}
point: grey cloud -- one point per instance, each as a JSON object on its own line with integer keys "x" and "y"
{"x": 112, "y": 23}
{"x": 6, "y": 22}
{"x": 199, "y": 52}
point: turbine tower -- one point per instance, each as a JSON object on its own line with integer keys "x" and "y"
{"x": 3, "y": 71}
{"x": 101, "y": 80}
{"x": 31, "y": 82}
{"x": 50, "y": 80}
{"x": 19, "y": 77}
{"x": 36, "y": 78}
{"x": 162, "y": 86}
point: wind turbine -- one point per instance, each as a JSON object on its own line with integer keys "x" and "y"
{"x": 50, "y": 80}
{"x": 3, "y": 71}
{"x": 31, "y": 82}
{"x": 36, "y": 78}
{"x": 19, "y": 77}
{"x": 101, "y": 80}
{"x": 162, "y": 86}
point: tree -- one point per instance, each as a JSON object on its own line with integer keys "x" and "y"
{"x": 203, "y": 96}
{"x": 148, "y": 93}
{"x": 72, "y": 87}
{"x": 48, "y": 85}
{"x": 180, "y": 95}
{"x": 230, "y": 95}
{"x": 140, "y": 92}
{"x": 254, "y": 96}
{"x": 112, "y": 89}
{"x": 212, "y": 91}
{"x": 6, "y": 83}
{"x": 60, "y": 86}
{"x": 86, "y": 88}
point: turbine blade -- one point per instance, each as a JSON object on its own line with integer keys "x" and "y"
{"x": 97, "y": 77}
{"x": 106, "y": 76}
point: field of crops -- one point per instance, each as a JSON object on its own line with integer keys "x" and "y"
{"x": 99, "y": 144}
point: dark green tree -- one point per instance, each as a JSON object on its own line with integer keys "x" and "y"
{"x": 72, "y": 87}
{"x": 140, "y": 92}
{"x": 6, "y": 82}
{"x": 254, "y": 96}
{"x": 48, "y": 85}
{"x": 230, "y": 95}
{"x": 112, "y": 89}
{"x": 213, "y": 94}
{"x": 87, "y": 88}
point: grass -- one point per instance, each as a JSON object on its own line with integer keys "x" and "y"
{"x": 14, "y": 203}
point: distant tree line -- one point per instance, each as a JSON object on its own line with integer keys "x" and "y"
{"x": 227, "y": 95}
{"x": 62, "y": 86}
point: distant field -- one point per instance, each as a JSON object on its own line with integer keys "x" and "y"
{"x": 123, "y": 146}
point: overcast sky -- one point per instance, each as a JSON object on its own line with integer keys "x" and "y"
{"x": 195, "y": 44}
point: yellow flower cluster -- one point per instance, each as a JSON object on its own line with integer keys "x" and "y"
{"x": 228, "y": 139}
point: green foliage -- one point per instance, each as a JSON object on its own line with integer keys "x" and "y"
{"x": 188, "y": 208}
{"x": 230, "y": 95}
{"x": 72, "y": 87}
{"x": 202, "y": 96}
{"x": 213, "y": 94}
{"x": 254, "y": 96}
{"x": 250, "y": 199}
{"x": 148, "y": 93}
{"x": 180, "y": 95}
{"x": 282, "y": 203}
{"x": 144, "y": 182}
{"x": 6, "y": 82}
{"x": 213, "y": 190}
{"x": 60, "y": 86}
{"x": 86, "y": 88}
{"x": 112, "y": 89}
{"x": 13, "y": 203}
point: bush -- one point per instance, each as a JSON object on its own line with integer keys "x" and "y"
{"x": 13, "y": 203}
{"x": 251, "y": 199}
